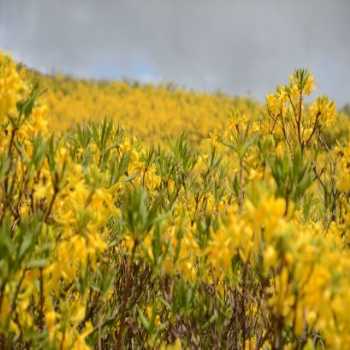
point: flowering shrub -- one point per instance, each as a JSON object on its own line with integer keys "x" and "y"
{"x": 111, "y": 241}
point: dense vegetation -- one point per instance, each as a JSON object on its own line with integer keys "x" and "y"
{"x": 150, "y": 112}
{"x": 225, "y": 226}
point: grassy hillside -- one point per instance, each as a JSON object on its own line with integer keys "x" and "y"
{"x": 146, "y": 110}
{"x": 234, "y": 236}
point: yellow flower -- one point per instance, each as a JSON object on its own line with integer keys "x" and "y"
{"x": 270, "y": 256}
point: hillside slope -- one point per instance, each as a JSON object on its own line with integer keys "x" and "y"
{"x": 146, "y": 109}
{"x": 240, "y": 241}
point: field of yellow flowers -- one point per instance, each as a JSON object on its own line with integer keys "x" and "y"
{"x": 143, "y": 217}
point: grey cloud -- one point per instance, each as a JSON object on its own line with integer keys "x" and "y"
{"x": 235, "y": 46}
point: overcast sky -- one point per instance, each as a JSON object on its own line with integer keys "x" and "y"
{"x": 237, "y": 46}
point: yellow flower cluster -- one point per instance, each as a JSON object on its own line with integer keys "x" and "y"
{"x": 56, "y": 215}
{"x": 299, "y": 124}
{"x": 11, "y": 87}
